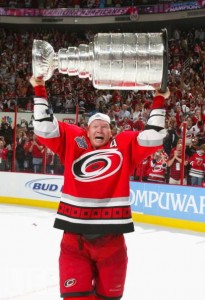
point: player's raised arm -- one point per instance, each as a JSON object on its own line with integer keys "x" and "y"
{"x": 154, "y": 132}
{"x": 45, "y": 124}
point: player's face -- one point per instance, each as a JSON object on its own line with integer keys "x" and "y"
{"x": 99, "y": 133}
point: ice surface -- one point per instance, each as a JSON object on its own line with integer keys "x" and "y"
{"x": 164, "y": 264}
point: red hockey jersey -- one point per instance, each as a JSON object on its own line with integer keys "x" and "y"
{"x": 95, "y": 195}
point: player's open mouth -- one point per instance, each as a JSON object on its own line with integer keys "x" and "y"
{"x": 98, "y": 138}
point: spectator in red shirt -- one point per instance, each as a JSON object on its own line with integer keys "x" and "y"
{"x": 142, "y": 170}
{"x": 28, "y": 165}
{"x": 3, "y": 155}
{"x": 37, "y": 151}
{"x": 126, "y": 124}
{"x": 197, "y": 163}
{"x": 175, "y": 165}
{"x": 158, "y": 167}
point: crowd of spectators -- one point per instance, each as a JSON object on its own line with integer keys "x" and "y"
{"x": 128, "y": 110}
{"x": 80, "y": 3}
{"x": 69, "y": 3}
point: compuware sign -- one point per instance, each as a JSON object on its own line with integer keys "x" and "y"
{"x": 177, "y": 202}
{"x": 172, "y": 205}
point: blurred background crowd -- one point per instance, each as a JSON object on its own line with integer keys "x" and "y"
{"x": 76, "y": 3}
{"x": 128, "y": 109}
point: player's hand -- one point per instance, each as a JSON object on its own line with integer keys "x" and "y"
{"x": 36, "y": 81}
{"x": 166, "y": 94}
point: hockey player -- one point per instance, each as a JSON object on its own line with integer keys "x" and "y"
{"x": 94, "y": 211}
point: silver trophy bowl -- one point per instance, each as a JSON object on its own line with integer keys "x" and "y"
{"x": 129, "y": 61}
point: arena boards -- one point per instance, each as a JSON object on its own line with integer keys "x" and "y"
{"x": 164, "y": 205}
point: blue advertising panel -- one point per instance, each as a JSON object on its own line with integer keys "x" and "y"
{"x": 161, "y": 204}
{"x": 170, "y": 201}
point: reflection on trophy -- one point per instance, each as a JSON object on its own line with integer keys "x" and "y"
{"x": 112, "y": 61}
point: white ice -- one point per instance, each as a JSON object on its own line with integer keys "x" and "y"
{"x": 164, "y": 264}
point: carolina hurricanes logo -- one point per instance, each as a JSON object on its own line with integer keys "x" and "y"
{"x": 97, "y": 165}
{"x": 158, "y": 168}
{"x": 70, "y": 282}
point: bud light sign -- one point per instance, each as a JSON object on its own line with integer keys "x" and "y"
{"x": 50, "y": 187}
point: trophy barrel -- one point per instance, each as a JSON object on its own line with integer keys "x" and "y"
{"x": 130, "y": 61}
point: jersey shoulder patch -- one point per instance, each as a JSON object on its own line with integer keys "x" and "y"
{"x": 81, "y": 142}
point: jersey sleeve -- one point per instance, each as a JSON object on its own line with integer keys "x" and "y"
{"x": 154, "y": 132}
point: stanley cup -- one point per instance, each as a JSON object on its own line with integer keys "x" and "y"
{"x": 123, "y": 61}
